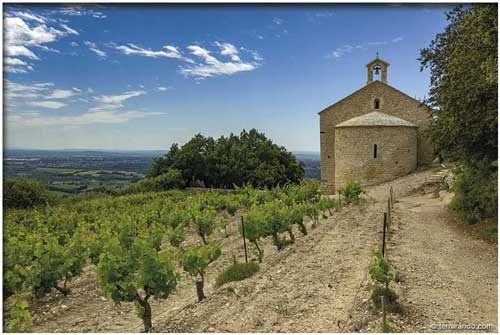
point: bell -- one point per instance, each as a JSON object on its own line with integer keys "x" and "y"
{"x": 377, "y": 70}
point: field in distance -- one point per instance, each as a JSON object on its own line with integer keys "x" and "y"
{"x": 78, "y": 171}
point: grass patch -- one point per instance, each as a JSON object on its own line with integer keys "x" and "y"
{"x": 236, "y": 272}
{"x": 488, "y": 229}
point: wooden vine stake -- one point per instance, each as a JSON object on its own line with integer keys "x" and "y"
{"x": 384, "y": 320}
{"x": 244, "y": 240}
{"x": 340, "y": 202}
{"x": 383, "y": 234}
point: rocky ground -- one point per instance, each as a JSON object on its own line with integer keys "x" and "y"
{"x": 320, "y": 283}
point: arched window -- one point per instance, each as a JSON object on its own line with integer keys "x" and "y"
{"x": 374, "y": 151}
{"x": 376, "y": 104}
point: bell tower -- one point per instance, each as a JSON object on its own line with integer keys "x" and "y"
{"x": 377, "y": 68}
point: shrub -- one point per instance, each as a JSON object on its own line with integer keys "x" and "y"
{"x": 172, "y": 179}
{"x": 351, "y": 191}
{"x": 476, "y": 191}
{"x": 390, "y": 297}
{"x": 236, "y": 272}
{"x": 20, "y": 317}
{"x": 195, "y": 261}
{"x": 134, "y": 271}
{"x": 380, "y": 271}
{"x": 28, "y": 193}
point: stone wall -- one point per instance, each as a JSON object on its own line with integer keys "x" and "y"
{"x": 396, "y": 154}
{"x": 392, "y": 102}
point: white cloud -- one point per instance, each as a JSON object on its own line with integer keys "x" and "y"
{"x": 227, "y": 49}
{"x": 347, "y": 49}
{"x": 20, "y": 37}
{"x": 105, "y": 117}
{"x": 61, "y": 94}
{"x": 17, "y": 32}
{"x": 13, "y": 61}
{"x": 26, "y": 91}
{"x": 47, "y": 104}
{"x": 30, "y": 17}
{"x": 211, "y": 66}
{"x": 74, "y": 44}
{"x": 45, "y": 48}
{"x": 132, "y": 49}
{"x": 319, "y": 16}
{"x": 162, "y": 88}
{"x": 19, "y": 50}
{"x": 69, "y": 30}
{"x": 13, "y": 69}
{"x": 278, "y": 21}
{"x": 93, "y": 47}
{"x": 81, "y": 10}
{"x": 118, "y": 99}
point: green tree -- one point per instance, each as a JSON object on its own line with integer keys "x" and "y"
{"x": 463, "y": 62}
{"x": 28, "y": 193}
{"x": 228, "y": 161}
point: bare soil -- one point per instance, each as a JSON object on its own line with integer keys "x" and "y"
{"x": 319, "y": 283}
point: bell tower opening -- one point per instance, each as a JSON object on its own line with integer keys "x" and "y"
{"x": 377, "y": 70}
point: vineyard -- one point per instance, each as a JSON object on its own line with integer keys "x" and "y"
{"x": 142, "y": 243}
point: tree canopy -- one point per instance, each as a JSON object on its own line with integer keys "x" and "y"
{"x": 250, "y": 158}
{"x": 463, "y": 61}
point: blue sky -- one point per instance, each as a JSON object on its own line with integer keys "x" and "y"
{"x": 143, "y": 77}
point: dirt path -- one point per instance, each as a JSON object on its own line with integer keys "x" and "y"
{"x": 449, "y": 275}
{"x": 318, "y": 284}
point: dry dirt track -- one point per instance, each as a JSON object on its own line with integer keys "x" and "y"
{"x": 314, "y": 285}
{"x": 449, "y": 275}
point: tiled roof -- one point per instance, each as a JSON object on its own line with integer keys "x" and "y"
{"x": 375, "y": 119}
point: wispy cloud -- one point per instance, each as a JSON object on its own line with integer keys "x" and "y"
{"x": 93, "y": 47}
{"x": 30, "y": 17}
{"x": 47, "y": 104}
{"x": 102, "y": 117}
{"x": 69, "y": 30}
{"x": 319, "y": 16}
{"x": 13, "y": 61}
{"x": 108, "y": 110}
{"x": 278, "y": 21}
{"x": 82, "y": 10}
{"x": 61, "y": 94}
{"x": 162, "y": 88}
{"x": 347, "y": 48}
{"x": 26, "y": 91}
{"x": 210, "y": 66}
{"x": 118, "y": 99}
{"x": 168, "y": 51}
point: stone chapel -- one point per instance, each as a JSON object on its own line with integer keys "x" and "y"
{"x": 376, "y": 134}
